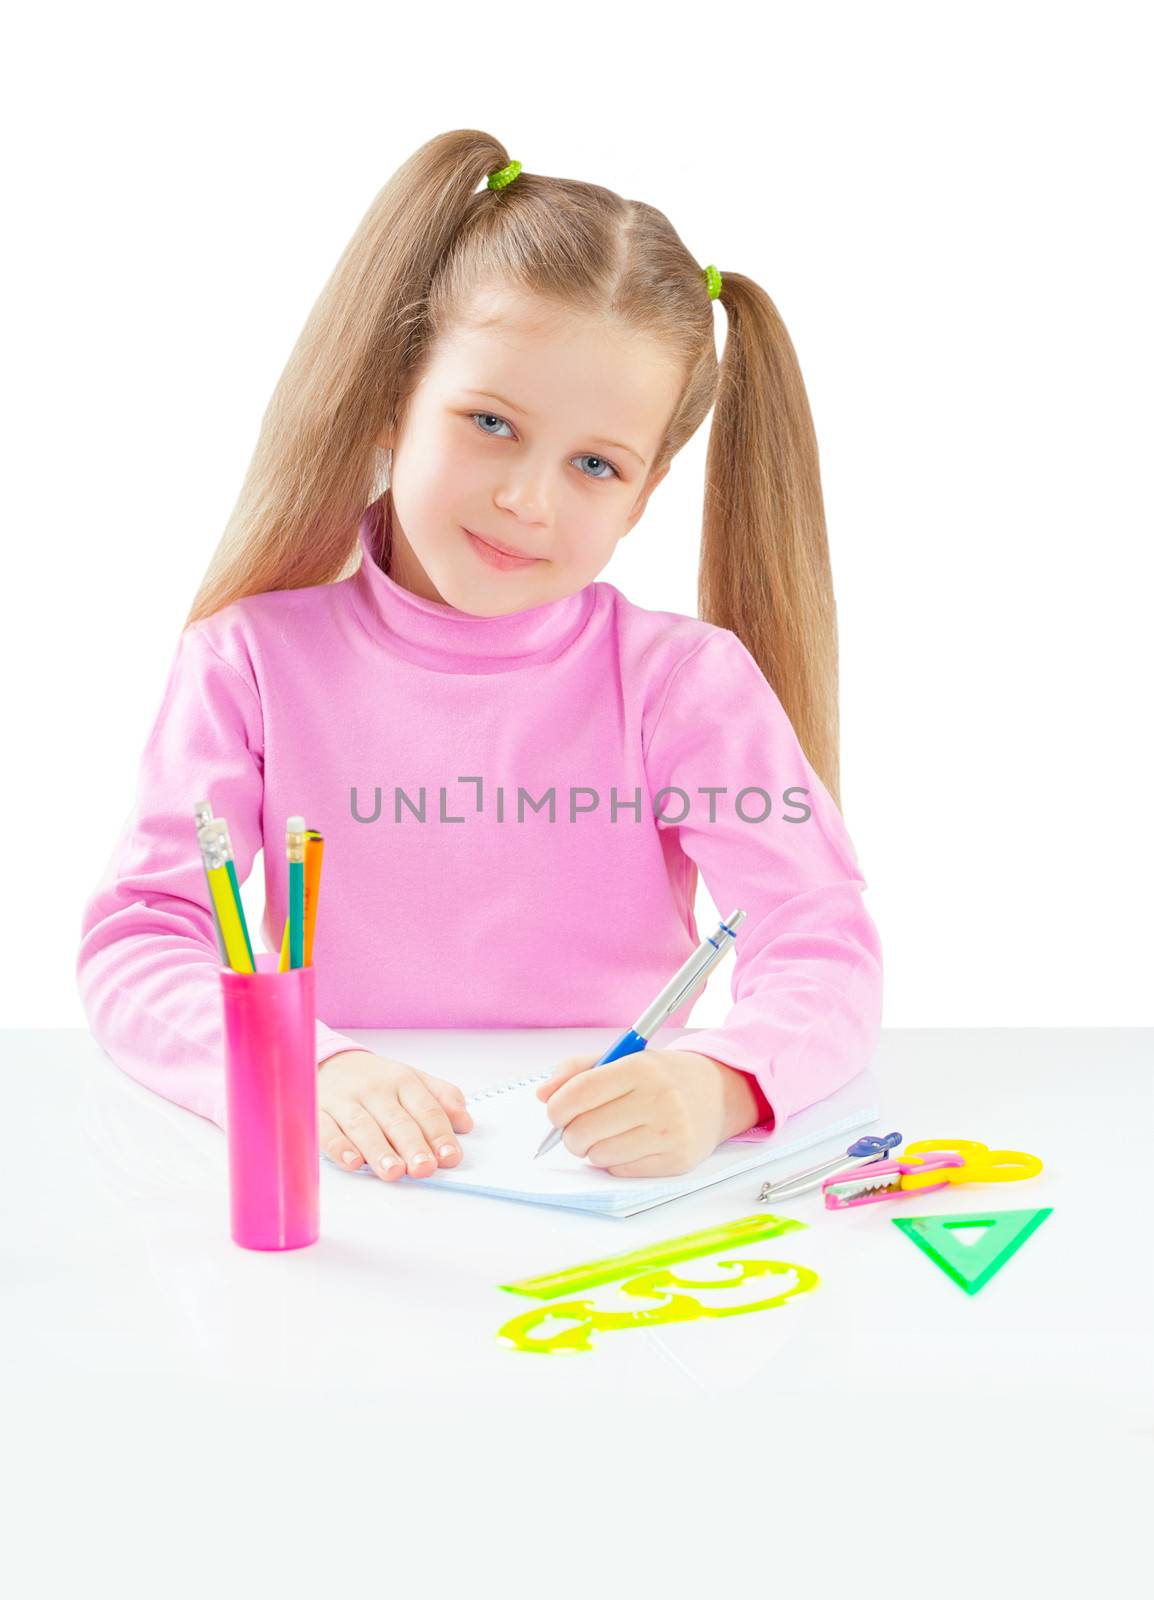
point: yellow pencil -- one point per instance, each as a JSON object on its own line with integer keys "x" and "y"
{"x": 223, "y": 896}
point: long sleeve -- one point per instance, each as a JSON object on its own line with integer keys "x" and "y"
{"x": 807, "y": 975}
{"x": 148, "y": 967}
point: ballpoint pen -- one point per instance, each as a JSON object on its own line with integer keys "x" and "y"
{"x": 690, "y": 977}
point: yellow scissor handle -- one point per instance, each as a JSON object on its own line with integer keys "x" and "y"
{"x": 979, "y": 1164}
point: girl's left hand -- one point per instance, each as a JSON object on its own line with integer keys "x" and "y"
{"x": 648, "y": 1115}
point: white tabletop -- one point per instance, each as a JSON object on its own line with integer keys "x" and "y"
{"x": 129, "y": 1308}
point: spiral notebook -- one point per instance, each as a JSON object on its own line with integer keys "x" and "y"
{"x": 509, "y": 1123}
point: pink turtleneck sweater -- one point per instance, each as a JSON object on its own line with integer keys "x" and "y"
{"x": 539, "y": 890}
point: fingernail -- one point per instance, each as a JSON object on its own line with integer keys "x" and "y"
{"x": 447, "y": 1150}
{"x": 389, "y": 1163}
{"x": 420, "y": 1161}
{"x": 350, "y": 1158}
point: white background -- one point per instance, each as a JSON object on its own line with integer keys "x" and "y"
{"x": 947, "y": 206}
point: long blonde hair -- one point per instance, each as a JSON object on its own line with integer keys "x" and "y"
{"x": 436, "y": 233}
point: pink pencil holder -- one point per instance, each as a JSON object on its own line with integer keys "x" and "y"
{"x": 271, "y": 1079}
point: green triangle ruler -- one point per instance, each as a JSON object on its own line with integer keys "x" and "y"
{"x": 972, "y": 1265}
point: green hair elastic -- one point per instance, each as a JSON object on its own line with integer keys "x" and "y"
{"x": 504, "y": 177}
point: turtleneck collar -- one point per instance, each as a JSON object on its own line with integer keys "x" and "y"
{"x": 444, "y": 639}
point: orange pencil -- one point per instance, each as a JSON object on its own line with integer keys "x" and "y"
{"x": 314, "y": 850}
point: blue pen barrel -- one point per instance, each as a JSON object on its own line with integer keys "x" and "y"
{"x": 628, "y": 1045}
{"x": 682, "y": 985}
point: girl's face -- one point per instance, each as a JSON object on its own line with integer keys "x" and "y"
{"x": 532, "y": 430}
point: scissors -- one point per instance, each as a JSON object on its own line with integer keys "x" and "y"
{"x": 946, "y": 1161}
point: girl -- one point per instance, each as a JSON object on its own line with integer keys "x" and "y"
{"x": 518, "y": 771}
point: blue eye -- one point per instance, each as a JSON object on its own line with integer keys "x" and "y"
{"x": 490, "y": 415}
{"x": 595, "y": 477}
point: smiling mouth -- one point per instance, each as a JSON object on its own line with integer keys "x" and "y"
{"x": 501, "y": 549}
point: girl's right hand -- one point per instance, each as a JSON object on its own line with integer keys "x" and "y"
{"x": 388, "y": 1114}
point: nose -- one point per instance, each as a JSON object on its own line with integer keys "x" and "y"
{"x": 526, "y": 497}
